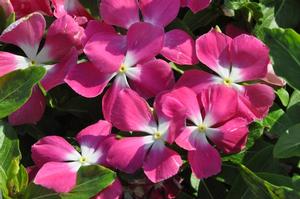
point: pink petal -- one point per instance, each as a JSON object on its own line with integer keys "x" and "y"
{"x": 26, "y": 7}
{"x": 59, "y": 176}
{"x": 205, "y": 161}
{"x": 250, "y": 58}
{"x": 120, "y": 13}
{"x": 114, "y": 191}
{"x": 161, "y": 163}
{"x": 10, "y": 62}
{"x": 159, "y": 12}
{"x": 184, "y": 3}
{"x": 154, "y": 77}
{"x": 106, "y": 51}
{"x": 187, "y": 138}
{"x": 92, "y": 132}
{"x": 69, "y": 7}
{"x": 64, "y": 30}
{"x": 57, "y": 73}
{"x": 87, "y": 80}
{"x": 93, "y": 27}
{"x": 128, "y": 154}
{"x": 104, "y": 144}
{"x": 272, "y": 78}
{"x": 131, "y": 112}
{"x": 53, "y": 149}
{"x": 232, "y": 136}
{"x": 26, "y": 33}
{"x": 197, "y": 80}
{"x": 220, "y": 103}
{"x": 144, "y": 41}
{"x": 32, "y": 111}
{"x": 109, "y": 98}
{"x": 198, "y": 5}
{"x": 212, "y": 50}
{"x": 179, "y": 47}
{"x": 7, "y": 7}
{"x": 256, "y": 100}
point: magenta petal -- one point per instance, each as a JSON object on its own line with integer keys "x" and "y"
{"x": 205, "y": 161}
{"x": 32, "y": 111}
{"x": 232, "y": 136}
{"x": 56, "y": 74}
{"x": 120, "y": 13}
{"x": 128, "y": 154}
{"x": 196, "y": 80}
{"x": 53, "y": 148}
{"x": 272, "y": 78}
{"x": 131, "y": 112}
{"x": 59, "y": 176}
{"x": 212, "y": 50}
{"x": 114, "y": 191}
{"x": 86, "y": 79}
{"x": 106, "y": 51}
{"x": 26, "y": 7}
{"x": 250, "y": 58}
{"x": 26, "y": 33}
{"x": 153, "y": 77}
{"x": 256, "y": 100}
{"x": 198, "y": 5}
{"x": 144, "y": 41}
{"x": 161, "y": 163}
{"x": 220, "y": 103}
{"x": 159, "y": 12}
{"x": 179, "y": 47}
{"x": 187, "y": 139}
{"x": 10, "y": 62}
{"x": 69, "y": 7}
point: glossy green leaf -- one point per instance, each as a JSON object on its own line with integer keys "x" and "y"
{"x": 90, "y": 181}
{"x": 284, "y": 47}
{"x": 34, "y": 191}
{"x": 16, "y": 88}
{"x": 295, "y": 98}
{"x": 288, "y": 144}
{"x": 274, "y": 114}
{"x": 283, "y": 96}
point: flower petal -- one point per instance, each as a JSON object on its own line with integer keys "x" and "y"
{"x": 272, "y": 78}
{"x": 154, "y": 77}
{"x": 59, "y": 176}
{"x": 120, "y": 13}
{"x": 144, "y": 41}
{"x": 53, "y": 149}
{"x": 128, "y": 154}
{"x": 106, "y": 51}
{"x": 159, "y": 12}
{"x": 26, "y": 7}
{"x": 32, "y": 111}
{"x": 256, "y": 100}
{"x": 179, "y": 47}
{"x": 10, "y": 62}
{"x": 161, "y": 163}
{"x": 187, "y": 138}
{"x": 198, "y": 5}
{"x": 7, "y": 7}
{"x": 86, "y": 79}
{"x": 26, "y": 33}
{"x": 114, "y": 191}
{"x": 131, "y": 112}
{"x": 212, "y": 50}
{"x": 250, "y": 58}
{"x": 230, "y": 137}
{"x": 69, "y": 7}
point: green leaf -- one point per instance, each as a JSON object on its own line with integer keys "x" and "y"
{"x": 275, "y": 113}
{"x": 284, "y": 47}
{"x": 3, "y": 187}
{"x": 91, "y": 6}
{"x": 276, "y": 179}
{"x": 287, "y": 13}
{"x": 283, "y": 96}
{"x": 90, "y": 181}
{"x": 295, "y": 98}
{"x": 288, "y": 144}
{"x": 34, "y": 191}
{"x": 16, "y": 88}
{"x": 195, "y": 182}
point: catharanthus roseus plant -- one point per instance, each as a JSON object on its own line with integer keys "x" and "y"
{"x": 171, "y": 98}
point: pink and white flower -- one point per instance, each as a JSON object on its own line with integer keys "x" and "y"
{"x": 237, "y": 62}
{"x": 59, "y": 162}
{"x": 25, "y": 7}
{"x": 27, "y": 33}
{"x": 210, "y": 117}
{"x": 148, "y": 150}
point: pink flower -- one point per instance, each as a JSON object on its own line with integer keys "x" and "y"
{"x": 128, "y": 59}
{"x": 148, "y": 150}
{"x": 59, "y": 162}
{"x": 210, "y": 115}
{"x": 25, "y": 7}
{"x": 237, "y": 62}
{"x": 26, "y": 33}
{"x": 195, "y": 5}
{"x": 178, "y": 45}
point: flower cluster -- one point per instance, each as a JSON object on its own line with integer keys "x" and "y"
{"x": 204, "y": 112}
